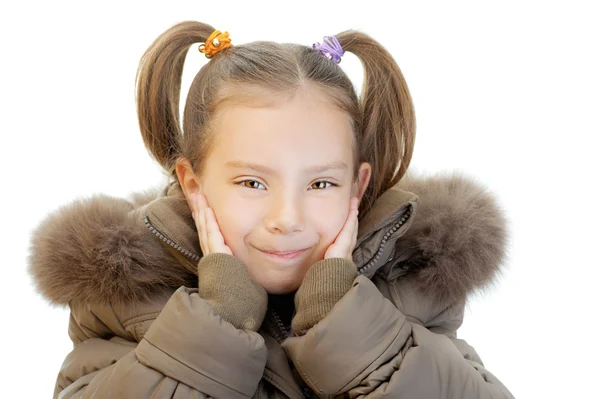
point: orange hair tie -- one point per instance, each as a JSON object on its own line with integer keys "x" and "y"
{"x": 216, "y": 42}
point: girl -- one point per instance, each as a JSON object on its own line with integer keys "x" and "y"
{"x": 285, "y": 258}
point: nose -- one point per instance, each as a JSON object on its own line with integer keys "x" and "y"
{"x": 285, "y": 214}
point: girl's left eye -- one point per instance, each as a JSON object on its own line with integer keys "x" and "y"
{"x": 325, "y": 182}
{"x": 243, "y": 183}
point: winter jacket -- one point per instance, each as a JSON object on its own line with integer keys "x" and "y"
{"x": 141, "y": 327}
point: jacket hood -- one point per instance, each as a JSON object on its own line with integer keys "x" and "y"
{"x": 445, "y": 232}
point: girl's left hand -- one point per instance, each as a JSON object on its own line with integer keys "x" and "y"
{"x": 345, "y": 241}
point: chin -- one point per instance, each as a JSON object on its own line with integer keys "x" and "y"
{"x": 278, "y": 286}
{"x": 279, "y": 290}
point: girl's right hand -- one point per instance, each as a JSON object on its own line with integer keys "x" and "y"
{"x": 209, "y": 233}
{"x": 223, "y": 281}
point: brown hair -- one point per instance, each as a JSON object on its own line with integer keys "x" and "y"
{"x": 383, "y": 118}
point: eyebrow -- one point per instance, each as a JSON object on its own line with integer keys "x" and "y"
{"x": 263, "y": 169}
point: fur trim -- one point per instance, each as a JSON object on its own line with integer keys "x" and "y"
{"x": 458, "y": 240}
{"x": 96, "y": 251}
{"x": 99, "y": 250}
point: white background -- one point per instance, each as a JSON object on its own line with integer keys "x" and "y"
{"x": 507, "y": 93}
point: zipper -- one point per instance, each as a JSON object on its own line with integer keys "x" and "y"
{"x": 166, "y": 239}
{"x": 362, "y": 270}
{"x": 281, "y": 334}
{"x": 278, "y": 327}
{"x": 384, "y": 242}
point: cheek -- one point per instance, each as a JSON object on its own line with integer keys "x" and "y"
{"x": 328, "y": 222}
{"x": 235, "y": 221}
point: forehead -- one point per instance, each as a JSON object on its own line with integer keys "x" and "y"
{"x": 305, "y": 129}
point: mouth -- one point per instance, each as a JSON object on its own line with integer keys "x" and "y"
{"x": 284, "y": 255}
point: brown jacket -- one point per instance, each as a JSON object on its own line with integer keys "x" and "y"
{"x": 141, "y": 328}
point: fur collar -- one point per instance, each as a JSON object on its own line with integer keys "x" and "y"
{"x": 445, "y": 232}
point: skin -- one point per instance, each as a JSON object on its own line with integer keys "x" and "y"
{"x": 241, "y": 211}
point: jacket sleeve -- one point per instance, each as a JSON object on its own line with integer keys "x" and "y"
{"x": 366, "y": 347}
{"x": 189, "y": 350}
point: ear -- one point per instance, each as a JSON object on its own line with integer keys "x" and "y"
{"x": 364, "y": 176}
{"x": 189, "y": 182}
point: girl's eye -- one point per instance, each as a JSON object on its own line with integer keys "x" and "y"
{"x": 322, "y": 185}
{"x": 318, "y": 185}
{"x": 243, "y": 183}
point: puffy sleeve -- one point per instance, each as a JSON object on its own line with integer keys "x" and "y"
{"x": 366, "y": 347}
{"x": 189, "y": 351}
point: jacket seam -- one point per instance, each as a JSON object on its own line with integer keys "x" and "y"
{"x": 276, "y": 384}
{"x": 378, "y": 357}
{"x": 300, "y": 367}
{"x": 413, "y": 319}
{"x": 192, "y": 368}
{"x": 140, "y": 318}
{"x": 305, "y": 376}
{"x": 398, "y": 304}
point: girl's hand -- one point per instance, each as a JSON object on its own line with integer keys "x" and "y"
{"x": 211, "y": 239}
{"x": 223, "y": 281}
{"x": 345, "y": 241}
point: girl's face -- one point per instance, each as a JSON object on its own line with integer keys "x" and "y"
{"x": 280, "y": 179}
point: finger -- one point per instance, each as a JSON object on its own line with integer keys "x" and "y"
{"x": 197, "y": 212}
{"x": 210, "y": 231}
{"x": 350, "y": 238}
{"x": 216, "y": 240}
{"x": 354, "y": 203}
{"x": 204, "y": 232}
{"x": 348, "y": 230}
{"x": 201, "y": 202}
{"x": 192, "y": 205}
{"x": 354, "y": 234}
{"x": 193, "y": 208}
{"x": 354, "y": 227}
{"x": 340, "y": 235}
{"x": 201, "y": 230}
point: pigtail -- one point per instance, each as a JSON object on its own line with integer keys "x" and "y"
{"x": 388, "y": 116}
{"x": 158, "y": 87}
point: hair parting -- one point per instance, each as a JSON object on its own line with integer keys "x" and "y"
{"x": 262, "y": 73}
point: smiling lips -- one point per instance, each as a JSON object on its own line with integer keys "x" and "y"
{"x": 285, "y": 255}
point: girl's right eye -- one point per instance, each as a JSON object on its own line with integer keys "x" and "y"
{"x": 243, "y": 183}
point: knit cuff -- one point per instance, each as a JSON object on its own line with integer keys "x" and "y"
{"x": 325, "y": 283}
{"x": 225, "y": 283}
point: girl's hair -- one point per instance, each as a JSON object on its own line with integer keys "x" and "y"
{"x": 263, "y": 73}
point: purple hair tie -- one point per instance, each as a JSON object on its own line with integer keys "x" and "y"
{"x": 331, "y": 48}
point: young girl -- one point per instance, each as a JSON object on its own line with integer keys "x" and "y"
{"x": 290, "y": 255}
